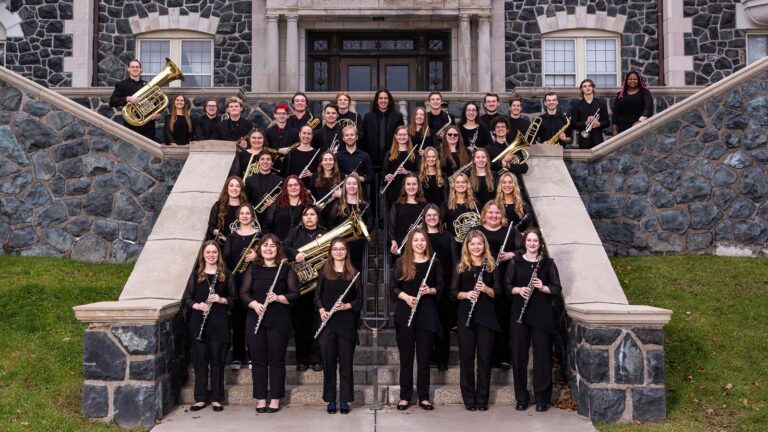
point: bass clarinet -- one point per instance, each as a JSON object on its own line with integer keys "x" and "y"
{"x": 479, "y": 280}
{"x": 424, "y": 282}
{"x": 530, "y": 286}
{"x": 333, "y": 309}
{"x": 211, "y": 291}
{"x": 271, "y": 290}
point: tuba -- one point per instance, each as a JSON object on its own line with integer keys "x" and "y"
{"x": 153, "y": 100}
{"x": 316, "y": 251}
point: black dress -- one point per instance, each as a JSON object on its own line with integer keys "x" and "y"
{"x": 179, "y": 133}
{"x": 480, "y": 135}
{"x": 482, "y": 194}
{"x": 280, "y": 220}
{"x": 268, "y": 346}
{"x": 628, "y": 110}
{"x": 231, "y": 253}
{"x": 516, "y": 219}
{"x": 401, "y": 216}
{"x": 213, "y": 221}
{"x": 418, "y": 137}
{"x": 443, "y": 244}
{"x": 299, "y": 159}
{"x": 432, "y": 192}
{"x": 326, "y": 184}
{"x": 339, "y": 336}
{"x": 211, "y": 350}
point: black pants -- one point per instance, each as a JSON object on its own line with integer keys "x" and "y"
{"x": 446, "y": 309}
{"x": 238, "y": 331}
{"x": 205, "y": 355}
{"x": 356, "y": 253}
{"x": 502, "y": 352}
{"x": 414, "y": 341}
{"x": 304, "y": 318}
{"x": 337, "y": 351}
{"x": 522, "y": 337}
{"x": 267, "y": 350}
{"x": 475, "y": 340}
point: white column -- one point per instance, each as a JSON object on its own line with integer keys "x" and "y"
{"x": 292, "y": 53}
{"x": 484, "y": 54}
{"x": 465, "y": 44}
{"x": 259, "y": 67}
{"x": 81, "y": 29}
{"x": 273, "y": 55}
{"x": 498, "y": 65}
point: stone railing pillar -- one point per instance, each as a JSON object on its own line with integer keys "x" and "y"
{"x": 132, "y": 365}
{"x": 616, "y": 360}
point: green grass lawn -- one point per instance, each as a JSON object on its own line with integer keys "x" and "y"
{"x": 716, "y": 344}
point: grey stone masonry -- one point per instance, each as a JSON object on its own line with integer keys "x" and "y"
{"x": 68, "y": 188}
{"x": 697, "y": 183}
{"x": 717, "y": 47}
{"x": 133, "y": 372}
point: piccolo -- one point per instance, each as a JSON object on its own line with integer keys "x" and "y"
{"x": 333, "y": 309}
{"x": 271, "y": 290}
{"x": 424, "y": 282}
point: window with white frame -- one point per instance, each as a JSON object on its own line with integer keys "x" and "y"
{"x": 192, "y": 52}
{"x": 571, "y": 56}
{"x": 757, "y": 47}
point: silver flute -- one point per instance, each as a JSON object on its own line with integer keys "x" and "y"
{"x": 506, "y": 238}
{"x": 530, "y": 286}
{"x": 394, "y": 175}
{"x": 333, "y": 309}
{"x": 306, "y": 168}
{"x": 271, "y": 290}
{"x": 424, "y": 282}
{"x": 474, "y": 302}
{"x": 211, "y": 291}
{"x": 413, "y": 226}
{"x": 423, "y": 138}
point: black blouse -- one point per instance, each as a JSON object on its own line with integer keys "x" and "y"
{"x": 343, "y": 322}
{"x": 443, "y": 244}
{"x": 280, "y": 220}
{"x": 629, "y": 109}
{"x": 179, "y": 133}
{"x": 432, "y": 192}
{"x": 394, "y": 189}
{"x": 298, "y": 237}
{"x": 418, "y": 137}
{"x": 401, "y": 216}
{"x": 256, "y": 283}
{"x": 297, "y": 160}
{"x": 540, "y": 312}
{"x": 515, "y": 219}
{"x": 496, "y": 239}
{"x": 482, "y": 194}
{"x": 217, "y": 323}
{"x": 485, "y": 308}
{"x": 481, "y": 136}
{"x": 234, "y": 247}
{"x": 452, "y": 216}
{"x": 426, "y": 316}
{"x": 213, "y": 221}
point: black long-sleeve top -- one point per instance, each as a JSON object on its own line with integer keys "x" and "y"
{"x": 206, "y": 128}
{"x": 394, "y": 189}
{"x": 481, "y": 135}
{"x": 217, "y": 323}
{"x": 359, "y": 161}
{"x": 450, "y": 168}
{"x": 377, "y": 140}
{"x": 278, "y": 138}
{"x": 426, "y": 316}
{"x": 296, "y": 123}
{"x": 241, "y": 161}
{"x": 280, "y": 220}
{"x": 336, "y": 217}
{"x": 485, "y": 308}
{"x": 580, "y": 111}
{"x": 520, "y": 124}
{"x": 298, "y": 237}
{"x": 418, "y": 137}
{"x": 496, "y": 239}
{"x": 343, "y": 322}
{"x": 213, "y": 221}
{"x": 515, "y": 219}
{"x": 123, "y": 89}
{"x": 432, "y": 192}
{"x": 401, "y": 216}
{"x": 355, "y": 117}
{"x": 550, "y": 125}
{"x": 482, "y": 194}
{"x": 258, "y": 185}
{"x": 539, "y": 313}
{"x": 233, "y": 130}
{"x": 452, "y": 215}
{"x": 324, "y": 136}
{"x": 437, "y": 122}
{"x": 628, "y": 110}
{"x": 234, "y": 247}
{"x": 298, "y": 159}
{"x": 487, "y": 119}
{"x": 442, "y": 243}
{"x": 179, "y": 133}
{"x": 256, "y": 283}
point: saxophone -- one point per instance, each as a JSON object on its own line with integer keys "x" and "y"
{"x": 556, "y": 137}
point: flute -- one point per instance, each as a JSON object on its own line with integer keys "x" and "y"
{"x": 211, "y": 291}
{"x": 530, "y": 286}
{"x": 424, "y": 282}
{"x": 384, "y": 189}
{"x": 333, "y": 309}
{"x": 506, "y": 238}
{"x": 413, "y": 226}
{"x": 479, "y": 280}
{"x": 271, "y": 290}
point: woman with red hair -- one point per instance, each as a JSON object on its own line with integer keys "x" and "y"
{"x": 285, "y": 212}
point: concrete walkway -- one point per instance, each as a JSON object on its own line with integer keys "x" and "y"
{"x": 445, "y": 418}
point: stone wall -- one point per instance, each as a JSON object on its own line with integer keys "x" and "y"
{"x": 39, "y": 55}
{"x": 232, "y": 52}
{"x": 70, "y": 189}
{"x": 697, "y": 183}
{"x": 718, "y": 49}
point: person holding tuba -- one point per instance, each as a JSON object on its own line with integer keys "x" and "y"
{"x": 123, "y": 95}
{"x": 234, "y": 127}
{"x": 328, "y": 135}
{"x": 279, "y": 136}
{"x": 532, "y": 281}
{"x": 303, "y": 316}
{"x": 224, "y": 211}
{"x": 590, "y": 116}
{"x": 209, "y": 294}
{"x": 510, "y": 162}
{"x": 207, "y": 126}
{"x": 262, "y": 187}
{"x": 553, "y": 127}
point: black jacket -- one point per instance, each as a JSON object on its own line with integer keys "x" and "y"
{"x": 376, "y": 142}
{"x": 123, "y": 89}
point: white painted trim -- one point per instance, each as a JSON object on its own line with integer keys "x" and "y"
{"x": 80, "y": 65}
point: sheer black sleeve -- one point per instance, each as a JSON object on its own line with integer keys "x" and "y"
{"x": 437, "y": 270}
{"x": 455, "y": 286}
{"x": 189, "y": 291}
{"x": 553, "y": 279}
{"x": 357, "y": 302}
{"x": 245, "y": 287}
{"x": 319, "y": 291}
{"x": 391, "y": 227}
{"x": 394, "y": 281}
{"x": 508, "y": 280}
{"x": 213, "y": 221}
{"x": 288, "y": 244}
{"x": 647, "y": 103}
{"x": 231, "y": 290}
{"x": 292, "y": 282}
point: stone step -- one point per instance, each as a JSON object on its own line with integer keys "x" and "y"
{"x": 387, "y": 355}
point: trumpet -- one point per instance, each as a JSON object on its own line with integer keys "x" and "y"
{"x": 394, "y": 176}
{"x": 334, "y": 143}
{"x": 424, "y": 282}
{"x": 270, "y": 197}
{"x": 556, "y": 137}
{"x": 474, "y": 302}
{"x": 333, "y": 310}
{"x": 242, "y": 264}
{"x": 414, "y": 225}
{"x": 530, "y": 286}
{"x": 587, "y": 130}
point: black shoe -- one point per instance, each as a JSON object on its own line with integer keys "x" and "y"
{"x": 470, "y": 407}
{"x": 317, "y": 367}
{"x": 483, "y": 407}
{"x": 218, "y": 408}
{"x": 273, "y": 410}
{"x": 426, "y": 405}
{"x": 542, "y": 406}
{"x": 521, "y": 406}
{"x": 195, "y": 408}
{"x": 261, "y": 410}
{"x": 505, "y": 366}
{"x": 403, "y": 407}
{"x": 331, "y": 408}
{"x": 301, "y": 367}
{"x": 344, "y": 408}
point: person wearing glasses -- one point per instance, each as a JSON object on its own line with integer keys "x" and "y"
{"x": 123, "y": 95}
{"x": 279, "y": 135}
{"x": 207, "y": 126}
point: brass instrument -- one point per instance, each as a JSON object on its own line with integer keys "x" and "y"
{"x": 345, "y": 122}
{"x": 517, "y": 149}
{"x": 221, "y": 238}
{"x": 211, "y": 291}
{"x": 270, "y": 197}
{"x": 414, "y": 225}
{"x": 333, "y": 309}
{"x": 334, "y": 143}
{"x": 312, "y": 122}
{"x": 316, "y": 251}
{"x": 242, "y": 265}
{"x": 464, "y": 223}
{"x": 587, "y": 130}
{"x": 424, "y": 282}
{"x": 253, "y": 162}
{"x": 533, "y": 130}
{"x": 530, "y": 286}
{"x": 474, "y": 302}
{"x": 328, "y": 198}
{"x": 153, "y": 100}
{"x": 271, "y": 290}
{"x": 556, "y": 137}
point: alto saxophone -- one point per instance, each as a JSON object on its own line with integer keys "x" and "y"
{"x": 556, "y": 137}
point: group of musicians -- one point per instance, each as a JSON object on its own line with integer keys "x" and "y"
{"x": 466, "y": 254}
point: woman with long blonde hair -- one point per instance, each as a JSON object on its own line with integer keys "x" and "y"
{"x": 431, "y": 176}
{"x": 351, "y": 201}
{"x": 460, "y": 210}
{"x": 478, "y": 330}
{"x": 405, "y": 211}
{"x": 481, "y": 177}
{"x": 510, "y": 199}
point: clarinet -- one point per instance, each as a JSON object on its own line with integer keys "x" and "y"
{"x": 271, "y": 290}
{"x": 530, "y": 286}
{"x": 333, "y": 309}
{"x": 479, "y": 279}
{"x": 211, "y": 291}
{"x": 424, "y": 282}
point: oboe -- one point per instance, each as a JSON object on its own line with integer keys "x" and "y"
{"x": 479, "y": 280}
{"x": 271, "y": 290}
{"x": 424, "y": 282}
{"x": 211, "y": 291}
{"x": 333, "y": 309}
{"x": 530, "y": 286}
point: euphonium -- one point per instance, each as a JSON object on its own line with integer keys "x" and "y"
{"x": 316, "y": 251}
{"x": 517, "y": 149}
{"x": 253, "y": 162}
{"x": 556, "y": 137}
{"x": 153, "y": 100}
